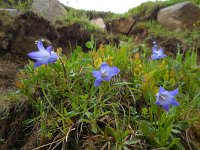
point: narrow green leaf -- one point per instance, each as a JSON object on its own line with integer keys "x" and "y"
{"x": 175, "y": 141}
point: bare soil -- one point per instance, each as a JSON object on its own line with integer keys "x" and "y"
{"x": 13, "y": 110}
{"x": 9, "y": 67}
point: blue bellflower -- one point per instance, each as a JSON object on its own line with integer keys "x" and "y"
{"x": 43, "y": 56}
{"x": 166, "y": 98}
{"x": 105, "y": 73}
{"x": 157, "y": 53}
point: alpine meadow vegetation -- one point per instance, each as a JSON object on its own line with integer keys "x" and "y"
{"x": 133, "y": 108}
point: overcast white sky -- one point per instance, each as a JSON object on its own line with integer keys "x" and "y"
{"x": 117, "y": 6}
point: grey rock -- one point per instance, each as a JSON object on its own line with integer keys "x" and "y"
{"x": 49, "y": 9}
{"x": 99, "y": 22}
{"x": 179, "y": 16}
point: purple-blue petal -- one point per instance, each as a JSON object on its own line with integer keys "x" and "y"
{"x": 36, "y": 55}
{"x": 97, "y": 82}
{"x": 104, "y": 67}
{"x": 96, "y": 74}
{"x": 154, "y": 57}
{"x": 112, "y": 71}
{"x": 49, "y": 49}
{"x": 161, "y": 89}
{"x": 162, "y": 56}
{"x": 157, "y": 102}
{"x": 39, "y": 63}
{"x": 166, "y": 107}
{"x": 174, "y": 102}
{"x": 154, "y": 49}
{"x": 107, "y": 78}
{"x": 52, "y": 59}
{"x": 40, "y": 46}
{"x": 174, "y": 92}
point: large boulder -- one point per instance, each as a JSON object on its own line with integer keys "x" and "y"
{"x": 179, "y": 16}
{"x": 121, "y": 25}
{"x": 49, "y": 9}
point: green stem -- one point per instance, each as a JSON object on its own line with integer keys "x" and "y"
{"x": 159, "y": 112}
{"x": 50, "y": 103}
{"x": 64, "y": 70}
{"x": 100, "y": 94}
{"x": 100, "y": 97}
{"x": 65, "y": 75}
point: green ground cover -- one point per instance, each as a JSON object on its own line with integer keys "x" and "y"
{"x": 121, "y": 113}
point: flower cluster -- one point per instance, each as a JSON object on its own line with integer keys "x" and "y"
{"x": 157, "y": 53}
{"x": 163, "y": 97}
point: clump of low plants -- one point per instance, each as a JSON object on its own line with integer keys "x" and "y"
{"x": 113, "y": 97}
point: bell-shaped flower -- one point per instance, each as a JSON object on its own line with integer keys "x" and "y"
{"x": 166, "y": 98}
{"x": 43, "y": 56}
{"x": 104, "y": 74}
{"x": 157, "y": 53}
{"x": 155, "y": 45}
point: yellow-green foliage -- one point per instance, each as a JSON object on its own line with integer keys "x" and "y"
{"x": 156, "y": 29}
{"x": 146, "y": 8}
{"x": 90, "y": 13}
{"x": 143, "y": 8}
{"x": 124, "y": 106}
{"x": 18, "y": 4}
{"x": 186, "y": 36}
{"x": 81, "y": 18}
